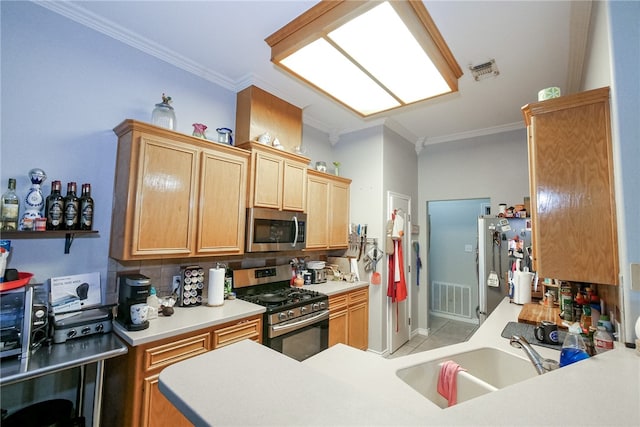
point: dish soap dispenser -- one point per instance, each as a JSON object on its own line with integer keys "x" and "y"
{"x": 573, "y": 347}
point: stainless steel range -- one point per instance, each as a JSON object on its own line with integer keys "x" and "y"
{"x": 296, "y": 322}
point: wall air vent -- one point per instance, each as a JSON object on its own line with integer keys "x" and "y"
{"x": 482, "y": 71}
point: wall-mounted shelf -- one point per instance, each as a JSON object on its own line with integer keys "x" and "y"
{"x": 68, "y": 235}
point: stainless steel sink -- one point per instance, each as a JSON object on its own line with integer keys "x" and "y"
{"x": 487, "y": 369}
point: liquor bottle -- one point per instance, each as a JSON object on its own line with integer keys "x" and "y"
{"x": 10, "y": 207}
{"x": 86, "y": 208}
{"x": 55, "y": 207}
{"x": 71, "y": 206}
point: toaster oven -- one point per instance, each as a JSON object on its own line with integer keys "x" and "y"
{"x": 24, "y": 320}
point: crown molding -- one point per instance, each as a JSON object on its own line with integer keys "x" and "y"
{"x": 473, "y": 133}
{"x": 109, "y": 28}
{"x": 79, "y": 14}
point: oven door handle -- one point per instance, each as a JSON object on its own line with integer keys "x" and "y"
{"x": 282, "y": 329}
{"x": 295, "y": 238}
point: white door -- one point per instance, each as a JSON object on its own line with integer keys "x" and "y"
{"x": 398, "y": 312}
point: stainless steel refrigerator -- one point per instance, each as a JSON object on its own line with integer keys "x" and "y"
{"x": 503, "y": 243}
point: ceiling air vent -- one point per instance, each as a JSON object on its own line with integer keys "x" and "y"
{"x": 482, "y": 71}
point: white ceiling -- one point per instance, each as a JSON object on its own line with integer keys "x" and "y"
{"x": 536, "y": 44}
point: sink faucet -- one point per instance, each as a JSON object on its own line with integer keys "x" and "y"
{"x": 541, "y": 364}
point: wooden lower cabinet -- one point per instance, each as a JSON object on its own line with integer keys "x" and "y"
{"x": 156, "y": 409}
{"x": 338, "y": 320}
{"x": 349, "y": 319}
{"x": 131, "y": 394}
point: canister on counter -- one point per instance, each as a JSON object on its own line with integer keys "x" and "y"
{"x": 566, "y": 303}
{"x": 306, "y": 275}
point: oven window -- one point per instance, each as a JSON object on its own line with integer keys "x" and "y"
{"x": 304, "y": 342}
{"x": 302, "y": 345}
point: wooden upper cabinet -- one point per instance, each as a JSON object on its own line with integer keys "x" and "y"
{"x": 221, "y": 212}
{"x": 277, "y": 179}
{"x": 339, "y": 202}
{"x": 572, "y": 188}
{"x": 327, "y": 211}
{"x": 176, "y": 195}
{"x": 317, "y": 211}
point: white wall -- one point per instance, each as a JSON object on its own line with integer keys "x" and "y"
{"x": 64, "y": 87}
{"x": 361, "y": 157}
{"x": 624, "y": 45}
{"x": 316, "y": 146}
{"x": 492, "y": 166}
{"x": 400, "y": 176}
{"x": 597, "y": 65}
{"x": 613, "y": 59}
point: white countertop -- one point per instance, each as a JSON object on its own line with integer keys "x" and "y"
{"x": 334, "y": 287}
{"x": 345, "y": 386}
{"x": 188, "y": 319}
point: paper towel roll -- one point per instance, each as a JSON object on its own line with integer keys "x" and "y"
{"x": 522, "y": 282}
{"x": 216, "y": 287}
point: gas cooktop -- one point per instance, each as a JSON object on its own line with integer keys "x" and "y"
{"x": 270, "y": 287}
{"x": 286, "y": 297}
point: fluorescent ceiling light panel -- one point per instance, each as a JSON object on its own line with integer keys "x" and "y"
{"x": 325, "y": 67}
{"x": 371, "y": 56}
{"x": 391, "y": 54}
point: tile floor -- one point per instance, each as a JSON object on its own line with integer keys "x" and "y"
{"x": 443, "y": 332}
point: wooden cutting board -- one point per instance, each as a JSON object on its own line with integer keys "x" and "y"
{"x": 534, "y": 313}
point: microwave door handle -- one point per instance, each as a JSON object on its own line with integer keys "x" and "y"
{"x": 295, "y": 238}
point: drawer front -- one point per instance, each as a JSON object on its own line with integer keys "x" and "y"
{"x": 251, "y": 329}
{"x": 164, "y": 355}
{"x": 361, "y": 295}
{"x": 337, "y": 302}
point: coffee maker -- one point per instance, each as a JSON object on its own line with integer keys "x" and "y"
{"x": 134, "y": 289}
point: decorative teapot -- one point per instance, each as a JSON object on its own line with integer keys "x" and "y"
{"x": 224, "y": 136}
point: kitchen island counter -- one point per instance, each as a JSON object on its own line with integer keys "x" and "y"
{"x": 345, "y": 386}
{"x": 188, "y": 319}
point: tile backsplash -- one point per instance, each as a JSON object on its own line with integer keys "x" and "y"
{"x": 161, "y": 272}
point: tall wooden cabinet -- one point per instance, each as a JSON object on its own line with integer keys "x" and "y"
{"x": 277, "y": 179}
{"x": 327, "y": 211}
{"x": 572, "y": 188}
{"x": 131, "y": 394}
{"x": 176, "y": 195}
{"x": 349, "y": 318}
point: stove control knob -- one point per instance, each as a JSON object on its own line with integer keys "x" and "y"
{"x": 303, "y": 309}
{"x": 99, "y": 327}
{"x": 290, "y": 313}
{"x": 282, "y": 316}
{"x": 315, "y": 306}
{"x": 86, "y": 330}
{"x": 72, "y": 333}
{"x": 322, "y": 305}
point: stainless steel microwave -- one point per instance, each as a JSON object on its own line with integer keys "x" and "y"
{"x": 270, "y": 230}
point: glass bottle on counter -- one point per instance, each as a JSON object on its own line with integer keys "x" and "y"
{"x": 71, "y": 206}
{"x": 55, "y": 207}
{"x": 10, "y": 207}
{"x": 86, "y": 208}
